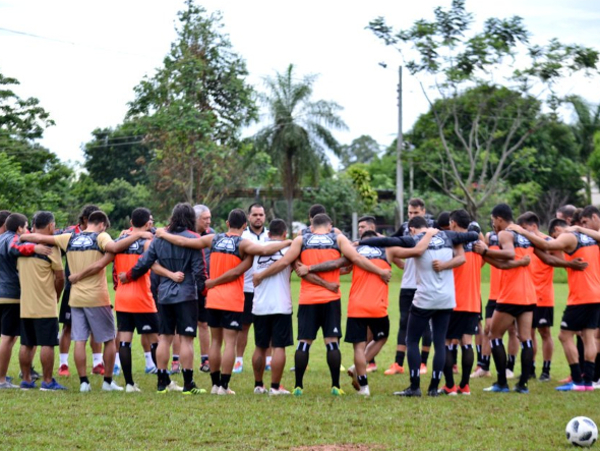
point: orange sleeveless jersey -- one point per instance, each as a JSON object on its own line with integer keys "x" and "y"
{"x": 319, "y": 248}
{"x": 495, "y": 273}
{"x": 584, "y": 286}
{"x": 135, "y": 296}
{"x": 368, "y": 293}
{"x": 516, "y": 285}
{"x": 225, "y": 255}
{"x": 467, "y": 282}
{"x": 542, "y": 276}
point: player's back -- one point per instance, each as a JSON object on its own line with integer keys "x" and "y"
{"x": 135, "y": 296}
{"x": 318, "y": 248}
{"x": 225, "y": 255}
{"x": 584, "y": 286}
{"x": 368, "y": 293}
{"x": 516, "y": 284}
{"x": 467, "y": 281}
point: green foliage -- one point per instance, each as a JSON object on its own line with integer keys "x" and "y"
{"x": 363, "y": 149}
{"x": 594, "y": 160}
{"x": 361, "y": 181}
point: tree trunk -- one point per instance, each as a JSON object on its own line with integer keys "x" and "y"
{"x": 290, "y": 213}
{"x": 588, "y": 188}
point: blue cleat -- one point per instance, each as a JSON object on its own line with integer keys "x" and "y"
{"x": 497, "y": 388}
{"x": 151, "y": 370}
{"x": 27, "y": 385}
{"x": 52, "y": 386}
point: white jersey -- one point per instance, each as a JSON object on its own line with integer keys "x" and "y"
{"x": 250, "y": 235}
{"x": 273, "y": 295}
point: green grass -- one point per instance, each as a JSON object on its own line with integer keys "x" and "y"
{"x": 60, "y": 421}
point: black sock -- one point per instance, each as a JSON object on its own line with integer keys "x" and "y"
{"x": 533, "y": 369}
{"x": 448, "y": 374}
{"x": 415, "y": 379}
{"x": 597, "y": 368}
{"x": 153, "y": 347}
{"x": 467, "y": 364}
{"x": 526, "y": 361}
{"x": 188, "y": 377}
{"x": 225, "y": 378}
{"x": 108, "y": 380}
{"x": 576, "y": 373}
{"x": 436, "y": 377}
{"x": 175, "y": 358}
{"x": 400, "y": 357}
{"x": 546, "y": 367}
{"x": 580, "y": 351}
{"x": 424, "y": 357}
{"x": 334, "y": 361}
{"x": 275, "y": 385}
{"x": 588, "y": 372}
{"x": 372, "y": 361}
{"x": 258, "y": 384}
{"x": 454, "y": 355}
{"x": 362, "y": 381}
{"x": 163, "y": 378}
{"x": 479, "y": 356}
{"x": 485, "y": 362}
{"x": 301, "y": 362}
{"x": 510, "y": 364}
{"x": 215, "y": 377}
{"x": 499, "y": 354}
{"x": 84, "y": 379}
{"x": 125, "y": 356}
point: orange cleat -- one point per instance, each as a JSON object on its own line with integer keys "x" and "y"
{"x": 98, "y": 369}
{"x": 64, "y": 370}
{"x": 394, "y": 369}
{"x": 423, "y": 369}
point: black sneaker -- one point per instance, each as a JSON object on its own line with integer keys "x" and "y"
{"x": 544, "y": 377}
{"x": 521, "y": 389}
{"x": 33, "y": 373}
{"x": 409, "y": 393}
{"x": 433, "y": 392}
{"x": 192, "y": 389}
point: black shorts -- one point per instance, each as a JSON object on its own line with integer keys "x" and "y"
{"x": 64, "y": 316}
{"x": 202, "y": 313}
{"x": 313, "y": 317}
{"x": 489, "y": 308}
{"x": 39, "y": 332}
{"x": 579, "y": 317}
{"x": 225, "y": 319}
{"x": 273, "y": 330}
{"x": 247, "y": 317}
{"x": 356, "y": 329}
{"x": 145, "y": 323}
{"x": 10, "y": 320}
{"x": 543, "y": 317}
{"x": 462, "y": 323}
{"x": 181, "y": 318}
{"x": 515, "y": 310}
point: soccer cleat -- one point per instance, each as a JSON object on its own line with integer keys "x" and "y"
{"x": 371, "y": 367}
{"x": 352, "y": 373}
{"x": 409, "y": 393}
{"x": 63, "y": 370}
{"x": 214, "y": 390}
{"x": 174, "y": 387}
{"x": 394, "y": 369}
{"x": 364, "y": 391}
{"x": 566, "y": 380}
{"x": 85, "y": 387}
{"x": 509, "y": 374}
{"x": 521, "y": 389}
{"x": 480, "y": 372}
{"x": 98, "y": 369}
{"x": 292, "y": 369}
{"x": 225, "y": 391}
{"x": 464, "y": 391}
{"x": 192, "y": 389}
{"x": 297, "y": 391}
{"x": 454, "y": 369}
{"x": 238, "y": 367}
{"x": 111, "y": 387}
{"x": 281, "y": 391}
{"x": 175, "y": 367}
{"x": 32, "y": 373}
{"x": 336, "y": 391}
{"x": 596, "y": 385}
{"x": 423, "y": 369}
{"x": 27, "y": 385}
{"x": 497, "y": 388}
{"x": 448, "y": 391}
{"x": 260, "y": 391}
{"x": 544, "y": 377}
{"x": 151, "y": 370}
{"x": 575, "y": 386}
{"x": 132, "y": 388}
{"x": 52, "y": 386}
{"x": 205, "y": 367}
{"x": 116, "y": 370}
{"x": 342, "y": 368}
{"x": 433, "y": 392}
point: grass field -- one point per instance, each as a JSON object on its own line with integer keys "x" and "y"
{"x": 97, "y": 420}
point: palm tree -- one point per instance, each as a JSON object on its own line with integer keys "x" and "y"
{"x": 299, "y": 134}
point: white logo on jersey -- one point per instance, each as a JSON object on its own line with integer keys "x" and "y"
{"x": 317, "y": 240}
{"x": 225, "y": 244}
{"x": 234, "y": 324}
{"x": 523, "y": 241}
{"x": 146, "y": 327}
{"x": 436, "y": 241}
{"x": 264, "y": 259}
{"x": 189, "y": 329}
{"x": 369, "y": 252}
{"x": 587, "y": 239}
{"x": 82, "y": 241}
{"x": 134, "y": 246}
{"x": 335, "y": 330}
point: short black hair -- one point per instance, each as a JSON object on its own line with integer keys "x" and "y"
{"x": 315, "y": 210}
{"x": 417, "y": 202}
{"x": 528, "y": 218}
{"x": 41, "y": 219}
{"x": 367, "y": 219}
{"x": 182, "y": 217}
{"x": 589, "y": 211}
{"x": 461, "y": 217}
{"x": 140, "y": 217}
{"x": 99, "y": 217}
{"x": 277, "y": 227}
{"x": 443, "y": 220}
{"x": 369, "y": 234}
{"x": 556, "y": 222}
{"x": 3, "y": 215}
{"x": 257, "y": 205}
{"x": 321, "y": 219}
{"x": 237, "y": 218}
{"x": 14, "y": 221}
{"x": 576, "y": 219}
{"x": 87, "y": 211}
{"x": 502, "y": 211}
{"x": 567, "y": 210}
{"x": 417, "y": 222}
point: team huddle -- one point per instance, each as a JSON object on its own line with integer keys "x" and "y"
{"x": 185, "y": 280}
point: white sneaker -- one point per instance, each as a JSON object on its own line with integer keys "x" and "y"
{"x": 225, "y": 391}
{"x": 596, "y": 385}
{"x": 174, "y": 387}
{"x": 281, "y": 391}
{"x": 214, "y": 390}
{"x": 480, "y": 372}
{"x": 132, "y": 388}
{"x": 509, "y": 374}
{"x": 260, "y": 390}
{"x": 111, "y": 387}
{"x": 85, "y": 387}
{"x": 364, "y": 391}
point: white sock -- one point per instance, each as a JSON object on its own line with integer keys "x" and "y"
{"x": 269, "y": 359}
{"x": 117, "y": 359}
{"x": 148, "y": 357}
{"x": 64, "y": 359}
{"x": 239, "y": 359}
{"x": 97, "y": 358}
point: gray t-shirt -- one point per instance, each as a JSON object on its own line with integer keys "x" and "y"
{"x": 409, "y": 277}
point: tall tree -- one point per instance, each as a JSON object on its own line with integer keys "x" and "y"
{"x": 361, "y": 150}
{"x": 299, "y": 132}
{"x": 441, "y": 48}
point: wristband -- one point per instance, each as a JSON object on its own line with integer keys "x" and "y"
{"x": 484, "y": 252}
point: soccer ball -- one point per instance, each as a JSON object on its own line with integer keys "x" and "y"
{"x": 581, "y": 431}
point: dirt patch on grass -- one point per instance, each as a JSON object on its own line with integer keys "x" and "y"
{"x": 338, "y": 447}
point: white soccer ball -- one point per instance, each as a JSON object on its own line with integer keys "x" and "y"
{"x": 581, "y": 431}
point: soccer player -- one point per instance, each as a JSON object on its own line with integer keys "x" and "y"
{"x": 256, "y": 232}
{"x": 42, "y": 280}
{"x": 10, "y": 290}
{"x": 91, "y": 312}
{"x": 566, "y": 213}
{"x": 319, "y": 307}
{"x": 583, "y": 307}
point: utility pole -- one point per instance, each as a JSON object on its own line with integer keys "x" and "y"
{"x": 399, "y": 144}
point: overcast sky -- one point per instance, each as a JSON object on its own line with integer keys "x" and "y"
{"x": 86, "y": 57}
